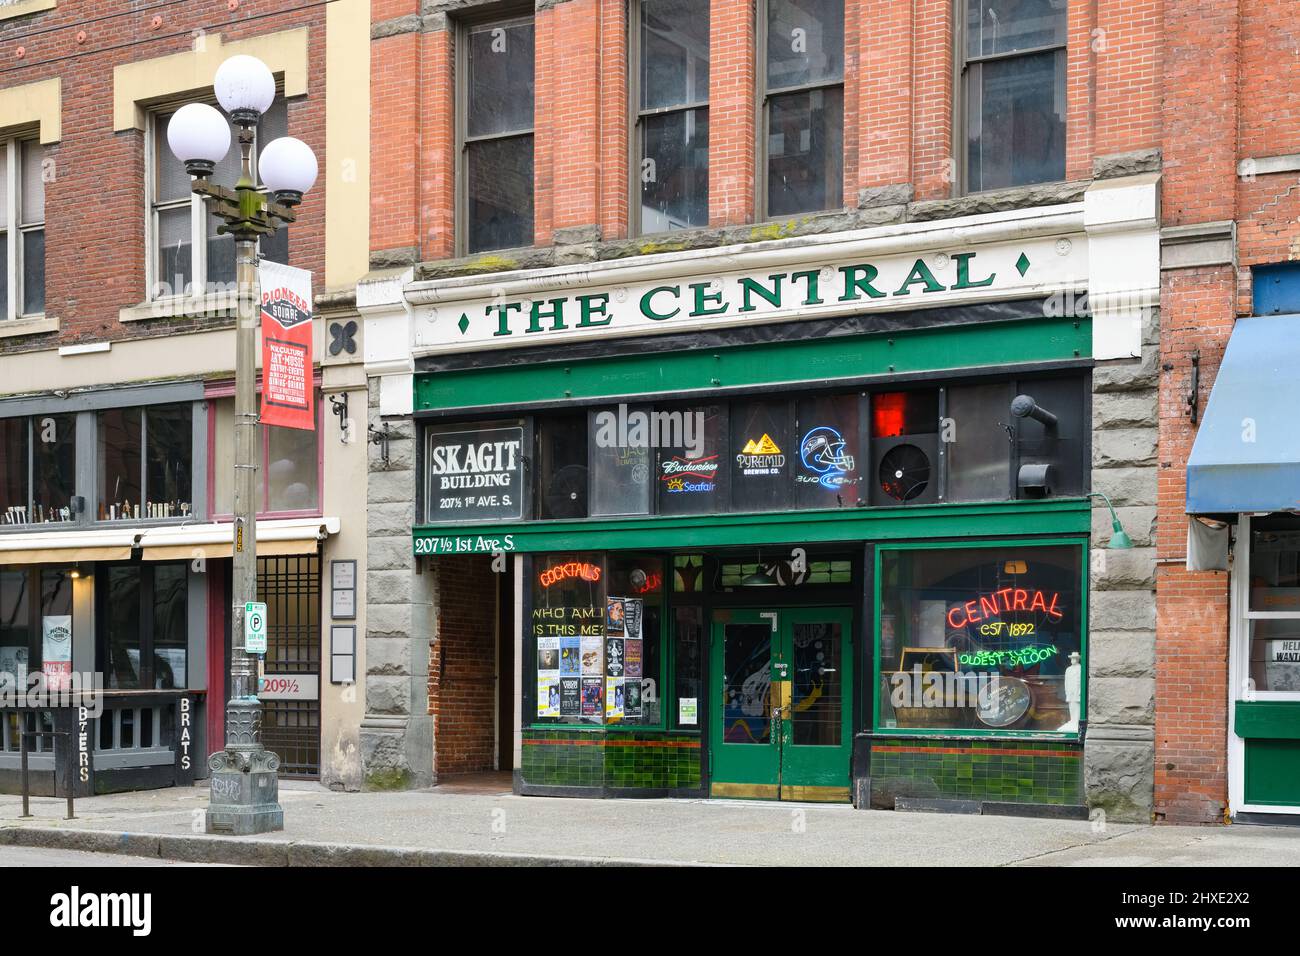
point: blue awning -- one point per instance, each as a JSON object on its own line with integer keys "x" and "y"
{"x": 1247, "y": 451}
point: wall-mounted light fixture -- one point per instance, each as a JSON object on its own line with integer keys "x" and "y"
{"x": 339, "y": 406}
{"x": 380, "y": 438}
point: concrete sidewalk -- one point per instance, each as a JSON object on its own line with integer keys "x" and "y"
{"x": 460, "y": 827}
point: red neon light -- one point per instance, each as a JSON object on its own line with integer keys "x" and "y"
{"x": 652, "y": 583}
{"x": 574, "y": 569}
{"x": 1008, "y": 599}
{"x": 888, "y": 412}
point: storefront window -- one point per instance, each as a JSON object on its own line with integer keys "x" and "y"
{"x": 828, "y": 469}
{"x": 985, "y": 638}
{"x": 688, "y": 650}
{"x": 145, "y": 457}
{"x": 289, "y": 480}
{"x": 54, "y": 467}
{"x": 36, "y": 635}
{"x": 762, "y": 469}
{"x": 144, "y": 637}
{"x": 634, "y": 607}
{"x": 568, "y": 638}
{"x": 16, "y": 657}
{"x": 562, "y": 467}
{"x": 47, "y": 497}
{"x": 692, "y": 476}
{"x": 844, "y": 449}
{"x": 1274, "y": 641}
{"x": 621, "y": 443}
{"x": 597, "y": 629}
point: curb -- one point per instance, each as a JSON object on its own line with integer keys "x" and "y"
{"x": 250, "y": 852}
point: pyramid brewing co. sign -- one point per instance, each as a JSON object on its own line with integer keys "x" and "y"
{"x": 287, "y": 394}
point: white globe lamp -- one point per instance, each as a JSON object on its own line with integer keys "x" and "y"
{"x": 199, "y": 137}
{"x": 245, "y": 88}
{"x": 287, "y": 167}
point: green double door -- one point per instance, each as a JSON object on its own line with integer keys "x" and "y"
{"x": 782, "y": 684}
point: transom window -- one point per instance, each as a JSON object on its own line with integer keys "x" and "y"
{"x": 496, "y": 135}
{"x": 672, "y": 115}
{"x": 22, "y": 228}
{"x": 1013, "y": 77}
{"x": 179, "y": 223}
{"x": 802, "y": 73}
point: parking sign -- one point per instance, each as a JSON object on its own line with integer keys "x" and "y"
{"x": 255, "y": 627}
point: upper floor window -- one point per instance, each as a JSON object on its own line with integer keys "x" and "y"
{"x": 22, "y": 229}
{"x": 672, "y": 114}
{"x": 496, "y": 135}
{"x": 179, "y": 222}
{"x": 803, "y": 106}
{"x": 1013, "y": 76}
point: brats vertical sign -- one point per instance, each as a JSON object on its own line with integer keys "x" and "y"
{"x": 288, "y": 398}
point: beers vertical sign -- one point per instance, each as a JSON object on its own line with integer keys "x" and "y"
{"x": 288, "y": 398}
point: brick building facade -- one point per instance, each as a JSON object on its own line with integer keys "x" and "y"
{"x": 1230, "y": 206}
{"x": 117, "y": 348}
{"x": 906, "y": 165}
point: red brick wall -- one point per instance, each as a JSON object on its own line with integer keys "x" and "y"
{"x": 1232, "y": 92}
{"x": 462, "y": 666}
{"x": 731, "y": 112}
{"x": 898, "y": 125}
{"x": 1191, "y": 607}
{"x": 94, "y": 207}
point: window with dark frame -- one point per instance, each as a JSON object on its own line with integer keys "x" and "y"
{"x": 932, "y": 443}
{"x": 291, "y": 464}
{"x": 496, "y": 134}
{"x": 802, "y": 77}
{"x": 1013, "y": 61}
{"x": 38, "y": 463}
{"x": 22, "y": 229}
{"x": 671, "y": 114}
{"x": 142, "y": 643}
{"x": 22, "y": 629}
{"x": 145, "y": 461}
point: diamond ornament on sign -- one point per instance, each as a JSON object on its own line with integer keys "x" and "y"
{"x": 1022, "y": 264}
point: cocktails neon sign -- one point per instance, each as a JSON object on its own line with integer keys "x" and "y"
{"x": 1007, "y": 600}
{"x": 564, "y": 572}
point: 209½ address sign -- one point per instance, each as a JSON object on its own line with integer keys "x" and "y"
{"x": 475, "y": 475}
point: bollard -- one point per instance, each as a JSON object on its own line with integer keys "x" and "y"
{"x": 22, "y": 750}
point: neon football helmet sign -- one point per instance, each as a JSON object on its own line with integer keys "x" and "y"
{"x": 823, "y": 452}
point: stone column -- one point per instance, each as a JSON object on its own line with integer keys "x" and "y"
{"x": 1119, "y": 758}
{"x": 397, "y": 731}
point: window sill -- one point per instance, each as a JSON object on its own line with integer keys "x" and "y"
{"x": 24, "y": 7}
{"x": 28, "y": 324}
{"x": 176, "y": 307}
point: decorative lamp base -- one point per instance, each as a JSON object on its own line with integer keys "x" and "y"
{"x": 244, "y": 793}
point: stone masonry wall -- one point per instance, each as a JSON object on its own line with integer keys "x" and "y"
{"x": 397, "y": 731}
{"x": 1120, "y": 749}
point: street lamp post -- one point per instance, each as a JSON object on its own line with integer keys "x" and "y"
{"x": 244, "y": 795}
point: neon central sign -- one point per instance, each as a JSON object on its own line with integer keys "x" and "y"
{"x": 1007, "y": 600}
{"x": 566, "y": 572}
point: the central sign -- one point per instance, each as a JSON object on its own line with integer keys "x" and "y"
{"x": 461, "y": 320}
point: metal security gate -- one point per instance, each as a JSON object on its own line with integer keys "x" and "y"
{"x": 291, "y": 588}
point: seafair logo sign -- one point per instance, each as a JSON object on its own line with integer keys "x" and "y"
{"x": 886, "y": 282}
{"x": 689, "y": 475}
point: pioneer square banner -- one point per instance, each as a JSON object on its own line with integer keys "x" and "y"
{"x": 287, "y": 393}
